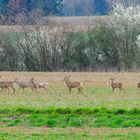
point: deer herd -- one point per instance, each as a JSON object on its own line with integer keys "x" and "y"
{"x": 6, "y": 85}
{"x": 34, "y": 86}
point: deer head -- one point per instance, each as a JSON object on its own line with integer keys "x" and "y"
{"x": 32, "y": 80}
{"x": 112, "y": 79}
{"x": 66, "y": 78}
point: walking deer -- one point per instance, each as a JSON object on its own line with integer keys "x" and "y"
{"x": 70, "y": 85}
{"x": 116, "y": 85}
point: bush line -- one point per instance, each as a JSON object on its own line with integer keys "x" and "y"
{"x": 84, "y": 111}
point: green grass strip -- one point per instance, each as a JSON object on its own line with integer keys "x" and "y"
{"x": 70, "y": 117}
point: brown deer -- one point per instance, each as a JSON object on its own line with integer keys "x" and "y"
{"x": 116, "y": 85}
{"x": 38, "y": 85}
{"x": 139, "y": 85}
{"x": 7, "y": 85}
{"x": 25, "y": 84}
{"x": 70, "y": 85}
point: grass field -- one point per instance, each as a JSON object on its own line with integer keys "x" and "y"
{"x": 56, "y": 114}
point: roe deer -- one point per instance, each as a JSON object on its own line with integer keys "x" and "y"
{"x": 139, "y": 85}
{"x": 70, "y": 85}
{"x": 7, "y": 85}
{"x": 116, "y": 85}
{"x": 38, "y": 85}
{"x": 24, "y": 84}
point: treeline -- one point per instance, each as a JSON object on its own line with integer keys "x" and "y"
{"x": 18, "y": 11}
{"x": 50, "y": 49}
{"x": 56, "y": 7}
{"x": 23, "y": 11}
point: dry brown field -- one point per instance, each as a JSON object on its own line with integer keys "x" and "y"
{"x": 88, "y": 78}
{"x": 97, "y": 90}
{"x": 68, "y": 23}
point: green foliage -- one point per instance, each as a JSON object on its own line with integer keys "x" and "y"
{"x": 63, "y": 136}
{"x": 34, "y": 136}
{"x": 98, "y": 49}
{"x": 7, "y": 53}
{"x": 81, "y": 117}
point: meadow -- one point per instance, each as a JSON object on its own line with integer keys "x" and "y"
{"x": 55, "y": 114}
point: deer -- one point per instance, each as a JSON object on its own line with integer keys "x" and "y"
{"x": 139, "y": 85}
{"x": 38, "y": 85}
{"x": 70, "y": 85}
{"x": 116, "y": 85}
{"x": 7, "y": 85}
{"x": 25, "y": 84}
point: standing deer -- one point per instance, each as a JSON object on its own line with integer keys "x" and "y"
{"x": 116, "y": 85}
{"x": 7, "y": 85}
{"x": 38, "y": 85}
{"x": 25, "y": 84}
{"x": 70, "y": 85}
{"x": 139, "y": 85}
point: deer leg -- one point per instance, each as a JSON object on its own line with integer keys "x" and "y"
{"x": 79, "y": 90}
{"x": 137, "y": 89}
{"x": 22, "y": 90}
{"x": 13, "y": 89}
{"x": 121, "y": 88}
{"x": 82, "y": 89}
{"x": 35, "y": 90}
{"x": 113, "y": 90}
{"x": 69, "y": 90}
{"x": 32, "y": 89}
{"x": 1, "y": 90}
{"x": 7, "y": 89}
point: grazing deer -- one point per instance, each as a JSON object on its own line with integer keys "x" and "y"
{"x": 116, "y": 85}
{"x": 71, "y": 85}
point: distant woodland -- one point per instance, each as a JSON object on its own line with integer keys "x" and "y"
{"x": 60, "y": 7}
